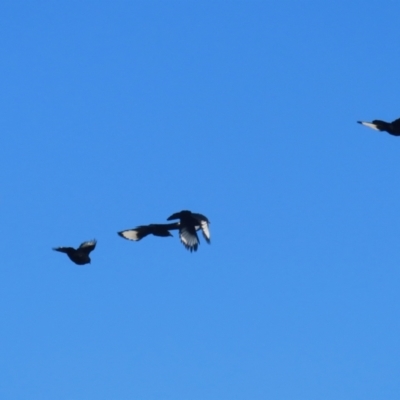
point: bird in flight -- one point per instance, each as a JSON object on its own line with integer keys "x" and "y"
{"x": 188, "y": 224}
{"x": 391, "y": 127}
{"x": 80, "y": 255}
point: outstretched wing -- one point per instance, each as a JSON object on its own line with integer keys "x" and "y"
{"x": 141, "y": 231}
{"x": 135, "y": 234}
{"x": 88, "y": 246}
{"x": 189, "y": 237}
{"x": 163, "y": 230}
{"x": 205, "y": 230}
{"x": 65, "y": 250}
{"x": 175, "y": 216}
{"x": 204, "y": 226}
{"x": 369, "y": 125}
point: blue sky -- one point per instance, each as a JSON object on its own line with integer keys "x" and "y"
{"x": 116, "y": 114}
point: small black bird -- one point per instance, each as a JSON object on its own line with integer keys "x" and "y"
{"x": 141, "y": 231}
{"x": 189, "y": 223}
{"x": 80, "y": 255}
{"x": 391, "y": 127}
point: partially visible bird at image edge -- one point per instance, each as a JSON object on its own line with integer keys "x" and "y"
{"x": 392, "y": 128}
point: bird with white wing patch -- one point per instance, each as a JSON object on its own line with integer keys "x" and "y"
{"x": 80, "y": 255}
{"x": 189, "y": 224}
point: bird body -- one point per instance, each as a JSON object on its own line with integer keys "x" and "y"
{"x": 80, "y": 255}
{"x": 392, "y": 128}
{"x": 189, "y": 224}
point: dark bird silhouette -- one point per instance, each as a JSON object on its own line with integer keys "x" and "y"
{"x": 141, "y": 231}
{"x": 80, "y": 255}
{"x": 391, "y": 127}
{"x": 189, "y": 223}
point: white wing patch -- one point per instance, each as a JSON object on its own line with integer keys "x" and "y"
{"x": 370, "y": 125}
{"x": 90, "y": 243}
{"x": 189, "y": 240}
{"x": 130, "y": 234}
{"x": 205, "y": 229}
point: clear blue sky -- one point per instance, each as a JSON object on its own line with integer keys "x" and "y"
{"x": 120, "y": 113}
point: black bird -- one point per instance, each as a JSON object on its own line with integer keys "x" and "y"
{"x": 189, "y": 223}
{"x": 391, "y": 127}
{"x": 80, "y": 255}
{"x": 141, "y": 231}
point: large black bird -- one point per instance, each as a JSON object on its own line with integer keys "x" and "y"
{"x": 80, "y": 255}
{"x": 141, "y": 231}
{"x": 391, "y": 127}
{"x": 189, "y": 223}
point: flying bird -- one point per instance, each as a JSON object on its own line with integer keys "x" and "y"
{"x": 391, "y": 127}
{"x": 189, "y": 223}
{"x": 141, "y": 231}
{"x": 80, "y": 255}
